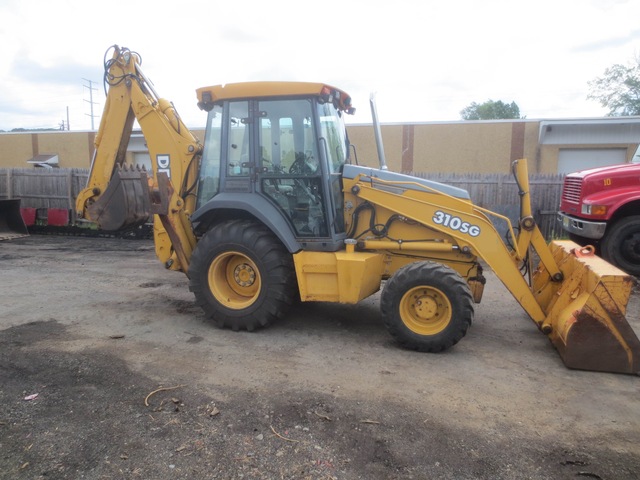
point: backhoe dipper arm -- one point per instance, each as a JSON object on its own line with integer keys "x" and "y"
{"x": 118, "y": 196}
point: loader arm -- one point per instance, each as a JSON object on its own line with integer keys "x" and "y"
{"x": 120, "y": 196}
{"x": 577, "y": 300}
{"x": 447, "y": 214}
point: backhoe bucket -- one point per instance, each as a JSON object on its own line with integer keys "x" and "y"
{"x": 125, "y": 202}
{"x": 11, "y": 223}
{"x": 586, "y": 311}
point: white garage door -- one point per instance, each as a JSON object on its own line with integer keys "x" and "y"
{"x": 574, "y": 159}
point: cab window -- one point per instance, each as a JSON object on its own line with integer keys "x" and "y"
{"x": 238, "y": 142}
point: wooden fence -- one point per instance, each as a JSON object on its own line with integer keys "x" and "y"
{"x": 499, "y": 193}
{"x": 43, "y": 188}
{"x": 58, "y": 188}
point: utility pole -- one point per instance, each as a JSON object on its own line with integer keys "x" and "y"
{"x": 63, "y": 125}
{"x": 90, "y": 101}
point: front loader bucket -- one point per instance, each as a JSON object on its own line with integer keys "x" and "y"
{"x": 11, "y": 222}
{"x": 585, "y": 312}
{"x": 125, "y": 202}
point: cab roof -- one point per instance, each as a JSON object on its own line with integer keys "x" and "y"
{"x": 208, "y": 96}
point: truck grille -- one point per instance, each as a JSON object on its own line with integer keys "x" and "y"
{"x": 571, "y": 189}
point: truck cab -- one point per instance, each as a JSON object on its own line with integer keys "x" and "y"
{"x": 602, "y": 206}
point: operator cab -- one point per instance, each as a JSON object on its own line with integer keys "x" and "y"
{"x": 277, "y": 149}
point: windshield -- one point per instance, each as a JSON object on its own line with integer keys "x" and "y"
{"x": 334, "y": 134}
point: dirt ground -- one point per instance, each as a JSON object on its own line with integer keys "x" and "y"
{"x": 132, "y": 382}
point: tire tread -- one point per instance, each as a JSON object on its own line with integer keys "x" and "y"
{"x": 440, "y": 276}
{"x": 278, "y": 277}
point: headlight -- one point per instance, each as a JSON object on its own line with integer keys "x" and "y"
{"x": 594, "y": 209}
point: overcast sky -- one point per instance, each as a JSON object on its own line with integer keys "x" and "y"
{"x": 426, "y": 60}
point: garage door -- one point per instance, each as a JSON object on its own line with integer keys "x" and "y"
{"x": 574, "y": 159}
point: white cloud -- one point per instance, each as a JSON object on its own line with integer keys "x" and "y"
{"x": 426, "y": 59}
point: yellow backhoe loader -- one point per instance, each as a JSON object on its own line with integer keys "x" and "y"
{"x": 273, "y": 207}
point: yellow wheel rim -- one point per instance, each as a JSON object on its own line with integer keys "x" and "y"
{"x": 425, "y": 310}
{"x": 234, "y": 280}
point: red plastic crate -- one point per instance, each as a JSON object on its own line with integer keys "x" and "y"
{"x": 28, "y": 216}
{"x": 58, "y": 217}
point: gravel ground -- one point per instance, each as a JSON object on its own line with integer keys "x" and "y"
{"x": 109, "y": 370}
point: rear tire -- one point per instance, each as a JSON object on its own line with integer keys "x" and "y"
{"x": 242, "y": 276}
{"x": 427, "y": 307}
{"x": 621, "y": 244}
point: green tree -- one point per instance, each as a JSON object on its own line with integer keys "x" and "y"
{"x": 490, "y": 110}
{"x": 618, "y": 89}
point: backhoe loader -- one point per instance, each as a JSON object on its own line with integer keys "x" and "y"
{"x": 273, "y": 208}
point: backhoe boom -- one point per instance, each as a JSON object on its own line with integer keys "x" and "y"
{"x": 119, "y": 196}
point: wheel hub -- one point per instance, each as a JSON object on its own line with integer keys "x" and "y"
{"x": 234, "y": 280}
{"x": 631, "y": 248}
{"x": 425, "y": 307}
{"x": 425, "y": 310}
{"x": 244, "y": 275}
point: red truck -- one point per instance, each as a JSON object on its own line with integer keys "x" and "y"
{"x": 601, "y": 207}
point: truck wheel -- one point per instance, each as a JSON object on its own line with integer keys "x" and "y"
{"x": 621, "y": 244}
{"x": 242, "y": 276}
{"x": 427, "y": 307}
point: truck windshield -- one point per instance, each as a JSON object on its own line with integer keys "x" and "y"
{"x": 334, "y": 134}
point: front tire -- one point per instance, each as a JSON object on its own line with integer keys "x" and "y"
{"x": 427, "y": 307}
{"x": 621, "y": 244}
{"x": 242, "y": 276}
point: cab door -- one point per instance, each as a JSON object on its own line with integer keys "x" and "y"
{"x": 290, "y": 170}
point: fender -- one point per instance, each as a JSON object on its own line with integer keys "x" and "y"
{"x": 257, "y": 207}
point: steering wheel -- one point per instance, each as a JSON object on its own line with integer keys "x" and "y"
{"x": 302, "y": 166}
